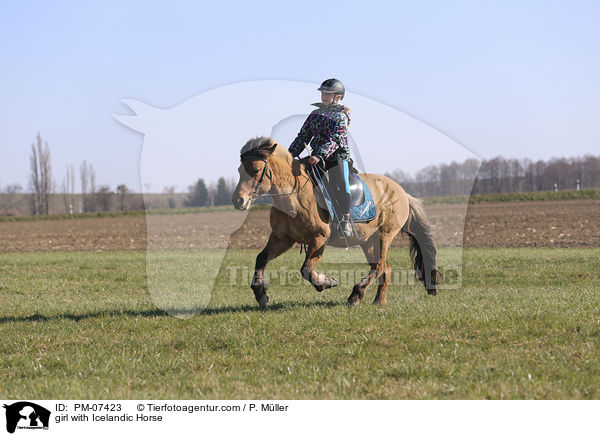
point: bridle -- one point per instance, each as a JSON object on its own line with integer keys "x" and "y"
{"x": 255, "y": 193}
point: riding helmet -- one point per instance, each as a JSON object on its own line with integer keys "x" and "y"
{"x": 333, "y": 85}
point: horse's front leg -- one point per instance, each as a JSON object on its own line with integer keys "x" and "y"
{"x": 314, "y": 252}
{"x": 275, "y": 247}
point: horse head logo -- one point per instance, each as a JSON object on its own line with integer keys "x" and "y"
{"x": 26, "y": 414}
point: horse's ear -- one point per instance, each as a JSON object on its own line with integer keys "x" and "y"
{"x": 272, "y": 148}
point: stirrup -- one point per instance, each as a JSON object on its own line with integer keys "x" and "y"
{"x": 345, "y": 227}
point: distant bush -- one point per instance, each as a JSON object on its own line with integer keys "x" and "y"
{"x": 10, "y": 212}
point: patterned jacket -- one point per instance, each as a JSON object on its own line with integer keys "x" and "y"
{"x": 326, "y": 130}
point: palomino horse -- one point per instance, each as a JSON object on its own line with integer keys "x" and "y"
{"x": 268, "y": 168}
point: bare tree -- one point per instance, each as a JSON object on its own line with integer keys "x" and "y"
{"x": 83, "y": 175}
{"x": 92, "y": 179}
{"x": 41, "y": 176}
{"x": 502, "y": 175}
{"x": 170, "y": 190}
{"x": 69, "y": 189}
{"x": 92, "y": 200}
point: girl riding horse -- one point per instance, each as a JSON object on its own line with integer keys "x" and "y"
{"x": 296, "y": 217}
{"x": 326, "y": 130}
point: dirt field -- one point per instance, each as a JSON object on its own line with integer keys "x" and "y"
{"x": 574, "y": 223}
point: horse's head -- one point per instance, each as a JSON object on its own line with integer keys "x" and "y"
{"x": 255, "y": 174}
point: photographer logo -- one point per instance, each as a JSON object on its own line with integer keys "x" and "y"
{"x": 26, "y": 415}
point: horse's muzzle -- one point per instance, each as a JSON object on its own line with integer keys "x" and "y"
{"x": 240, "y": 203}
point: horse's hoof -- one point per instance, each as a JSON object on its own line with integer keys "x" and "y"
{"x": 263, "y": 301}
{"x": 378, "y": 302}
{"x": 431, "y": 291}
{"x": 331, "y": 282}
{"x": 353, "y": 302}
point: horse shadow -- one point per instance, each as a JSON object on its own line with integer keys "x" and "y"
{"x": 159, "y": 313}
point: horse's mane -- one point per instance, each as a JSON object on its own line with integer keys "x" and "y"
{"x": 259, "y": 146}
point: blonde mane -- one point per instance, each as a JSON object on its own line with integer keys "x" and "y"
{"x": 260, "y": 143}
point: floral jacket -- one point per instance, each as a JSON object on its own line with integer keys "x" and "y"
{"x": 326, "y": 130}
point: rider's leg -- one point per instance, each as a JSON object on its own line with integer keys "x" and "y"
{"x": 339, "y": 174}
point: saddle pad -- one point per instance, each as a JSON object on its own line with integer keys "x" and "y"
{"x": 366, "y": 211}
{"x": 363, "y": 212}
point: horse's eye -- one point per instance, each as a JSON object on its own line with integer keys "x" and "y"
{"x": 254, "y": 173}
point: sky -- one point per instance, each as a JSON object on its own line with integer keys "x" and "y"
{"x": 511, "y": 78}
{"x": 197, "y": 136}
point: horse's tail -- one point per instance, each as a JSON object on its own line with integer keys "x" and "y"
{"x": 422, "y": 248}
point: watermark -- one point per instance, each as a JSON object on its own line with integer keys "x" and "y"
{"x": 201, "y": 138}
{"x": 25, "y": 415}
{"x": 242, "y": 275}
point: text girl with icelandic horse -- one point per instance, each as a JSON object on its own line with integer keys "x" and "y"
{"x": 326, "y": 130}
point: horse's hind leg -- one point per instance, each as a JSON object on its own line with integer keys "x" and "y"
{"x": 275, "y": 247}
{"x": 371, "y": 250}
{"x": 314, "y": 252}
{"x": 375, "y": 249}
{"x": 381, "y": 297}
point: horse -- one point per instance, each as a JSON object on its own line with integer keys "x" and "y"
{"x": 267, "y": 168}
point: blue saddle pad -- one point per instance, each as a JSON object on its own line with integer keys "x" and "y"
{"x": 365, "y": 211}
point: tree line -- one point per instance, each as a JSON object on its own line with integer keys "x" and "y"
{"x": 497, "y": 175}
{"x": 199, "y": 195}
{"x": 500, "y": 175}
{"x": 92, "y": 198}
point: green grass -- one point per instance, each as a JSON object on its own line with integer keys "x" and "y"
{"x": 584, "y": 194}
{"x": 525, "y": 324}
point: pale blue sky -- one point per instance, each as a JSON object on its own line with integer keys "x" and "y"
{"x": 515, "y": 78}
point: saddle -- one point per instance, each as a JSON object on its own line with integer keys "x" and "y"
{"x": 362, "y": 206}
{"x": 357, "y": 191}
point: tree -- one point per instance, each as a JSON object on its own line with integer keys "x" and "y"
{"x": 41, "y": 176}
{"x": 122, "y": 192}
{"x": 83, "y": 175}
{"x": 170, "y": 190}
{"x": 502, "y": 175}
{"x": 198, "y": 196}
{"x": 69, "y": 189}
{"x": 10, "y": 198}
{"x": 223, "y": 195}
{"x": 400, "y": 176}
{"x": 88, "y": 186}
{"x": 103, "y": 198}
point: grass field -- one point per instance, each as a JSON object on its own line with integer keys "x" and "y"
{"x": 525, "y": 324}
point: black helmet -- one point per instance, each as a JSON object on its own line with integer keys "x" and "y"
{"x": 333, "y": 85}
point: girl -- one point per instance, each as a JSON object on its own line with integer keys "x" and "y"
{"x": 326, "y": 130}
